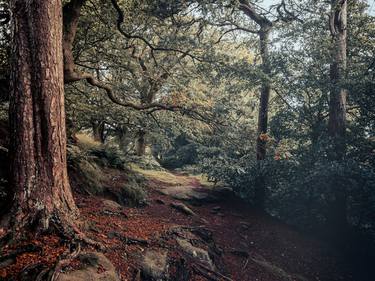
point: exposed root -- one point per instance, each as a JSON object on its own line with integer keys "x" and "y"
{"x": 72, "y": 232}
{"x": 209, "y": 273}
{"x": 55, "y": 272}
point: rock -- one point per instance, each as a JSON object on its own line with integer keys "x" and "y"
{"x": 111, "y": 205}
{"x": 216, "y": 209}
{"x": 154, "y": 265}
{"x": 244, "y": 225}
{"x": 182, "y": 208}
{"x": 205, "y": 234}
{"x": 7, "y": 262}
{"x": 159, "y": 201}
{"x": 95, "y": 266}
{"x": 198, "y": 253}
{"x": 113, "y": 234}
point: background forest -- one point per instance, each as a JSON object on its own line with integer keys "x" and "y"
{"x": 244, "y": 92}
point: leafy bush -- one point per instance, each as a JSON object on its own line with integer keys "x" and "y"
{"x": 108, "y": 155}
{"x": 300, "y": 183}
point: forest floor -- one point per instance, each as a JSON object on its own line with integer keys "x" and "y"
{"x": 189, "y": 230}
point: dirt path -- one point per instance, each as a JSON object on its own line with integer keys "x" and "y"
{"x": 241, "y": 243}
{"x": 190, "y": 231}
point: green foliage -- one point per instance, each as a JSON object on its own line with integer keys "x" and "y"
{"x": 87, "y": 161}
{"x": 88, "y": 175}
{"x": 133, "y": 193}
{"x": 183, "y": 152}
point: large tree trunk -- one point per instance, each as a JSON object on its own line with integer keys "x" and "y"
{"x": 260, "y": 188}
{"x": 43, "y": 196}
{"x": 337, "y": 106}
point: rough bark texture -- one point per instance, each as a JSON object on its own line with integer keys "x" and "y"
{"x": 264, "y": 95}
{"x": 98, "y": 131}
{"x": 337, "y": 107}
{"x": 71, "y": 14}
{"x": 261, "y": 148}
{"x": 265, "y": 27}
{"x": 141, "y": 143}
{"x": 38, "y": 149}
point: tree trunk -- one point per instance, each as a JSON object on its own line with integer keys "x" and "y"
{"x": 337, "y": 106}
{"x": 141, "y": 143}
{"x": 98, "y": 131}
{"x": 260, "y": 188}
{"x": 43, "y": 197}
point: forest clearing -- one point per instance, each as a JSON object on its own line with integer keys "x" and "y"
{"x": 156, "y": 140}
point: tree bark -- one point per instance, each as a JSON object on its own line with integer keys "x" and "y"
{"x": 261, "y": 144}
{"x": 98, "y": 131}
{"x": 337, "y": 108}
{"x": 141, "y": 143}
{"x": 264, "y": 94}
{"x": 43, "y": 197}
{"x": 265, "y": 27}
{"x": 337, "y": 104}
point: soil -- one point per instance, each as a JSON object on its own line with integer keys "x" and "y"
{"x": 243, "y": 244}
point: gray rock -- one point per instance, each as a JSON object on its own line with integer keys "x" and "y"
{"x": 198, "y": 253}
{"x": 110, "y": 205}
{"x": 95, "y": 267}
{"x": 155, "y": 266}
{"x": 183, "y": 208}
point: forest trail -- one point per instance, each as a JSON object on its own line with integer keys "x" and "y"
{"x": 190, "y": 230}
{"x": 217, "y": 236}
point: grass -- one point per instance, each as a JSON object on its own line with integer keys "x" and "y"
{"x": 86, "y": 142}
{"x": 169, "y": 178}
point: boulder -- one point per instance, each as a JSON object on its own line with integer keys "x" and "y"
{"x": 94, "y": 266}
{"x": 155, "y": 266}
{"x": 111, "y": 205}
{"x": 183, "y": 208}
{"x": 198, "y": 253}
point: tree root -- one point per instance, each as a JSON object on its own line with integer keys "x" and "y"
{"x": 209, "y": 273}
{"x": 71, "y": 232}
{"x": 66, "y": 260}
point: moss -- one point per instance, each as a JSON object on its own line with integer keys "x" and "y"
{"x": 166, "y": 177}
{"x": 92, "y": 177}
{"x": 134, "y": 193}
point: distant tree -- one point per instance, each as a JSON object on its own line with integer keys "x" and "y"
{"x": 337, "y": 103}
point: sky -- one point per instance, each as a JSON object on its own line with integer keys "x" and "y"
{"x": 371, "y": 10}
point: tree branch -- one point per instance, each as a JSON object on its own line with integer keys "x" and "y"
{"x": 120, "y": 20}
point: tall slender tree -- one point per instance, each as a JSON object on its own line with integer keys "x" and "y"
{"x": 265, "y": 27}
{"x": 337, "y": 103}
